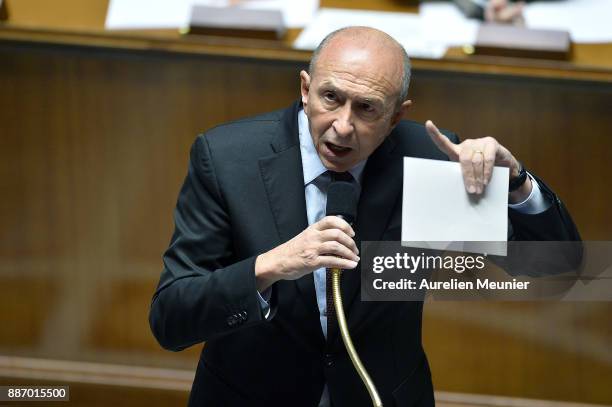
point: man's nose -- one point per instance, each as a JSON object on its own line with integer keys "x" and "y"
{"x": 343, "y": 125}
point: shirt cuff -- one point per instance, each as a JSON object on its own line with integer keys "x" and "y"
{"x": 264, "y": 299}
{"x": 535, "y": 203}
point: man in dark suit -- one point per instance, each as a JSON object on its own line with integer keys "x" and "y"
{"x": 245, "y": 270}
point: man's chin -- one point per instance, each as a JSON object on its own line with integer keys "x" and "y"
{"x": 336, "y": 166}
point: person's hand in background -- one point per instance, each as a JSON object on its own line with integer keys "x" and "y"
{"x": 503, "y": 11}
{"x": 493, "y": 11}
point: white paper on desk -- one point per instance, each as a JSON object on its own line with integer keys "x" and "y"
{"x": 162, "y": 14}
{"x": 296, "y": 14}
{"x": 406, "y": 28}
{"x": 588, "y": 21}
{"x": 147, "y": 14}
{"x": 446, "y": 24}
{"x": 438, "y": 213}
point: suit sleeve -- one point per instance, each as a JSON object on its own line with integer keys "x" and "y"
{"x": 204, "y": 291}
{"x": 553, "y": 224}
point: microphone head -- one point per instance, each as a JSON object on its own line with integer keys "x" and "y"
{"x": 342, "y": 200}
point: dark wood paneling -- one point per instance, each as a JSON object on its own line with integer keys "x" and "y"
{"x": 555, "y": 351}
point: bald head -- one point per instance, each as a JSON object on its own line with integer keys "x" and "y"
{"x": 354, "y": 94}
{"x": 369, "y": 45}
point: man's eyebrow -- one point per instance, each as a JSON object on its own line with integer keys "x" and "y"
{"x": 328, "y": 85}
{"x": 370, "y": 101}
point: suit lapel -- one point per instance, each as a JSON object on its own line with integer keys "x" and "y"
{"x": 381, "y": 185}
{"x": 283, "y": 178}
{"x": 382, "y": 182}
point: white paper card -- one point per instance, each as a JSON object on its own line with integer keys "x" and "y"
{"x": 438, "y": 213}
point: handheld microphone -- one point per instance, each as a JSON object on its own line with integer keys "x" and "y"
{"x": 342, "y": 202}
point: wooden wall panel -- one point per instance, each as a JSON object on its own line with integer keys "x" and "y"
{"x": 554, "y": 351}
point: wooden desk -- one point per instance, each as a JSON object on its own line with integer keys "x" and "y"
{"x": 96, "y": 129}
{"x": 75, "y": 22}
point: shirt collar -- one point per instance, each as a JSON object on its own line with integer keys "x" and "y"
{"x": 312, "y": 166}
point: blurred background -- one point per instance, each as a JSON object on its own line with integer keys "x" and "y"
{"x": 97, "y": 115}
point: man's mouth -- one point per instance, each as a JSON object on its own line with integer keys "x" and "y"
{"x": 337, "y": 150}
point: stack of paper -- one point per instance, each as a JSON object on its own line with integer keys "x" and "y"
{"x": 406, "y": 28}
{"x": 444, "y": 23}
{"x": 149, "y": 14}
{"x": 588, "y": 21}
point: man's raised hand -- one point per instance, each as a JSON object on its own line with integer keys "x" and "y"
{"x": 477, "y": 158}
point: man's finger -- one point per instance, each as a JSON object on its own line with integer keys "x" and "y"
{"x": 332, "y": 262}
{"x": 478, "y": 168}
{"x": 442, "y": 142}
{"x": 340, "y": 237}
{"x": 467, "y": 169}
{"x": 335, "y": 222}
{"x": 489, "y": 161}
{"x": 337, "y": 249}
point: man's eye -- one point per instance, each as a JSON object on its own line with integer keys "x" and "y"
{"x": 329, "y": 96}
{"x": 368, "y": 108}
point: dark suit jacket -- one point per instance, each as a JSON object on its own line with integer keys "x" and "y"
{"x": 243, "y": 195}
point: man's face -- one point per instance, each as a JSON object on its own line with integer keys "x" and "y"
{"x": 351, "y": 104}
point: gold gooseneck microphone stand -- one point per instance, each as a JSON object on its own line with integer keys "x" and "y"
{"x": 348, "y": 343}
{"x": 342, "y": 202}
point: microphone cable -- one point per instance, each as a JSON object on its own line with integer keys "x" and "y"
{"x": 342, "y": 202}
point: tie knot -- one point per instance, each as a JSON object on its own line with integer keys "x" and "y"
{"x": 341, "y": 176}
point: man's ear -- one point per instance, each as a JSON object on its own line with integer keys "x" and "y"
{"x": 401, "y": 113}
{"x": 304, "y": 87}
